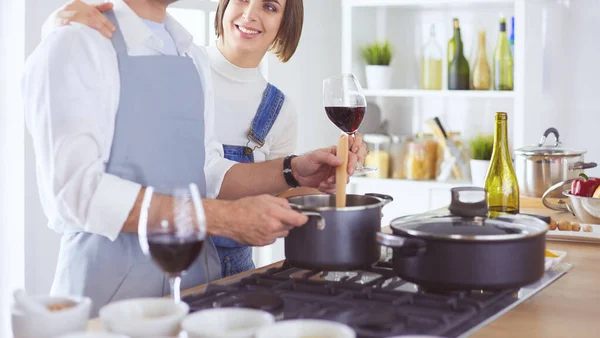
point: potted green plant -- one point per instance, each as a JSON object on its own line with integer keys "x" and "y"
{"x": 378, "y": 56}
{"x": 481, "y": 152}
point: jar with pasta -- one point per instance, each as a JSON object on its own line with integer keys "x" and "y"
{"x": 417, "y": 160}
{"x": 379, "y": 154}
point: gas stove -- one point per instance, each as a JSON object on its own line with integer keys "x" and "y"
{"x": 374, "y": 302}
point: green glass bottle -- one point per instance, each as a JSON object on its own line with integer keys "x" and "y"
{"x": 501, "y": 182}
{"x": 458, "y": 71}
{"x": 503, "y": 61}
{"x": 452, "y": 45}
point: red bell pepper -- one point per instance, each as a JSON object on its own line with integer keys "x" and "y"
{"x": 584, "y": 186}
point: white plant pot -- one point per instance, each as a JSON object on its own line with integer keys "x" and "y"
{"x": 378, "y": 77}
{"x": 479, "y": 170}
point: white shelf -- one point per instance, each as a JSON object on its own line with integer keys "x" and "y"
{"x": 483, "y": 94}
{"x": 423, "y": 3}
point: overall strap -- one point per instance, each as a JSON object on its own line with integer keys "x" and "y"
{"x": 117, "y": 38}
{"x": 265, "y": 117}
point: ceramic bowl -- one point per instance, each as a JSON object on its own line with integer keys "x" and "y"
{"x": 226, "y": 323}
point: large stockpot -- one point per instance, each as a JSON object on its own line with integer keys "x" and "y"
{"x": 541, "y": 166}
{"x": 468, "y": 248}
{"x": 336, "y": 239}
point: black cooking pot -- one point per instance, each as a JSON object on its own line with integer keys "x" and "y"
{"x": 336, "y": 239}
{"x": 468, "y": 249}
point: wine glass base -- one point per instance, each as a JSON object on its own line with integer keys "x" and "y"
{"x": 364, "y": 170}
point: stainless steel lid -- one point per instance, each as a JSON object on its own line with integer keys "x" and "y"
{"x": 467, "y": 220}
{"x": 549, "y": 150}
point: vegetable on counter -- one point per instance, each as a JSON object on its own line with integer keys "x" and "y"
{"x": 585, "y": 186}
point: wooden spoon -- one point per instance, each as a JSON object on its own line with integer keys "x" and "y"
{"x": 341, "y": 172}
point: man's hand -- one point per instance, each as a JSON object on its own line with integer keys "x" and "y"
{"x": 89, "y": 15}
{"x": 317, "y": 169}
{"x": 257, "y": 220}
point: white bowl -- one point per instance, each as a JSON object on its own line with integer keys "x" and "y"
{"x": 305, "y": 328}
{"x": 226, "y": 323}
{"x": 51, "y": 324}
{"x": 144, "y": 317}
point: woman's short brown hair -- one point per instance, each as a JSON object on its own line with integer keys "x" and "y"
{"x": 288, "y": 37}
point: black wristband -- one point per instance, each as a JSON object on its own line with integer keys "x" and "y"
{"x": 287, "y": 172}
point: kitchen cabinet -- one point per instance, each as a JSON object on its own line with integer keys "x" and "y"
{"x": 532, "y": 106}
{"x": 410, "y": 197}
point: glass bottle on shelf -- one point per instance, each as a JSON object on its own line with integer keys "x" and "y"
{"x": 481, "y": 69}
{"x": 451, "y": 45}
{"x": 511, "y": 40}
{"x": 431, "y": 63}
{"x": 503, "y": 61}
{"x": 458, "y": 71}
{"x": 500, "y": 182}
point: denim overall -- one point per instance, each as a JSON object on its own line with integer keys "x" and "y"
{"x": 158, "y": 141}
{"x": 236, "y": 257}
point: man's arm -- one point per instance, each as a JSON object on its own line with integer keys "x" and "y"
{"x": 257, "y": 220}
{"x": 69, "y": 106}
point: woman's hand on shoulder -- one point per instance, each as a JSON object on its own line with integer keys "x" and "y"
{"x": 87, "y": 14}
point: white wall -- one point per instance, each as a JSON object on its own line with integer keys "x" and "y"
{"x": 301, "y": 79}
{"x": 41, "y": 244}
{"x": 12, "y": 23}
{"x": 582, "y": 88}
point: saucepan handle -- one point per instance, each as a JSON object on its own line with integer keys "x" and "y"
{"x": 385, "y": 199}
{"x": 408, "y": 246}
{"x": 312, "y": 213}
{"x": 583, "y": 165}
{"x": 560, "y": 205}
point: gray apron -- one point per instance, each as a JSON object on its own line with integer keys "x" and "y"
{"x": 158, "y": 141}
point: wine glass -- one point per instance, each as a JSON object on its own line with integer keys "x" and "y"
{"x": 172, "y": 230}
{"x": 345, "y": 106}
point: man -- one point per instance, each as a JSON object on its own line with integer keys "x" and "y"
{"x": 111, "y": 117}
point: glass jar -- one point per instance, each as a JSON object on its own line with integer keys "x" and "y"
{"x": 379, "y": 154}
{"x": 398, "y": 154}
{"x": 432, "y": 148}
{"x": 417, "y": 160}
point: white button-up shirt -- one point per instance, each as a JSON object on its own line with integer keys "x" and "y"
{"x": 71, "y": 91}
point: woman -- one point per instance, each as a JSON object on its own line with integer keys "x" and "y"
{"x": 253, "y": 119}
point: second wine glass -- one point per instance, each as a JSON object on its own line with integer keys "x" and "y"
{"x": 345, "y": 105}
{"x": 172, "y": 230}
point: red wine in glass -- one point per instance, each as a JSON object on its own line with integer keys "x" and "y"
{"x": 348, "y": 119}
{"x": 172, "y": 253}
{"x": 172, "y": 229}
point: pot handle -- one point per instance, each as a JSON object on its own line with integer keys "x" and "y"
{"x": 385, "y": 199}
{"x": 560, "y": 205}
{"x": 583, "y": 165}
{"x": 312, "y": 213}
{"x": 411, "y": 246}
{"x": 548, "y": 132}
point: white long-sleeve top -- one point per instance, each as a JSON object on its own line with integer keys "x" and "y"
{"x": 71, "y": 90}
{"x": 238, "y": 93}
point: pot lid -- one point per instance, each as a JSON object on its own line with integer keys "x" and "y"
{"x": 468, "y": 220}
{"x": 542, "y": 149}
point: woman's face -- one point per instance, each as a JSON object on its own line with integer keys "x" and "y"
{"x": 251, "y": 26}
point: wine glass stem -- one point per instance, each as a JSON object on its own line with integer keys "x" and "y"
{"x": 175, "y": 284}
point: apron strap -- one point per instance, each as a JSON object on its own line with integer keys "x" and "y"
{"x": 117, "y": 38}
{"x": 265, "y": 117}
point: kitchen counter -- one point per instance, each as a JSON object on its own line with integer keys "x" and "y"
{"x": 567, "y": 308}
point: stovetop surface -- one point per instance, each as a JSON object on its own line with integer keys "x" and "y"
{"x": 374, "y": 302}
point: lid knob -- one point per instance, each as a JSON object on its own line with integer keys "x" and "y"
{"x": 548, "y": 132}
{"x": 469, "y": 202}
